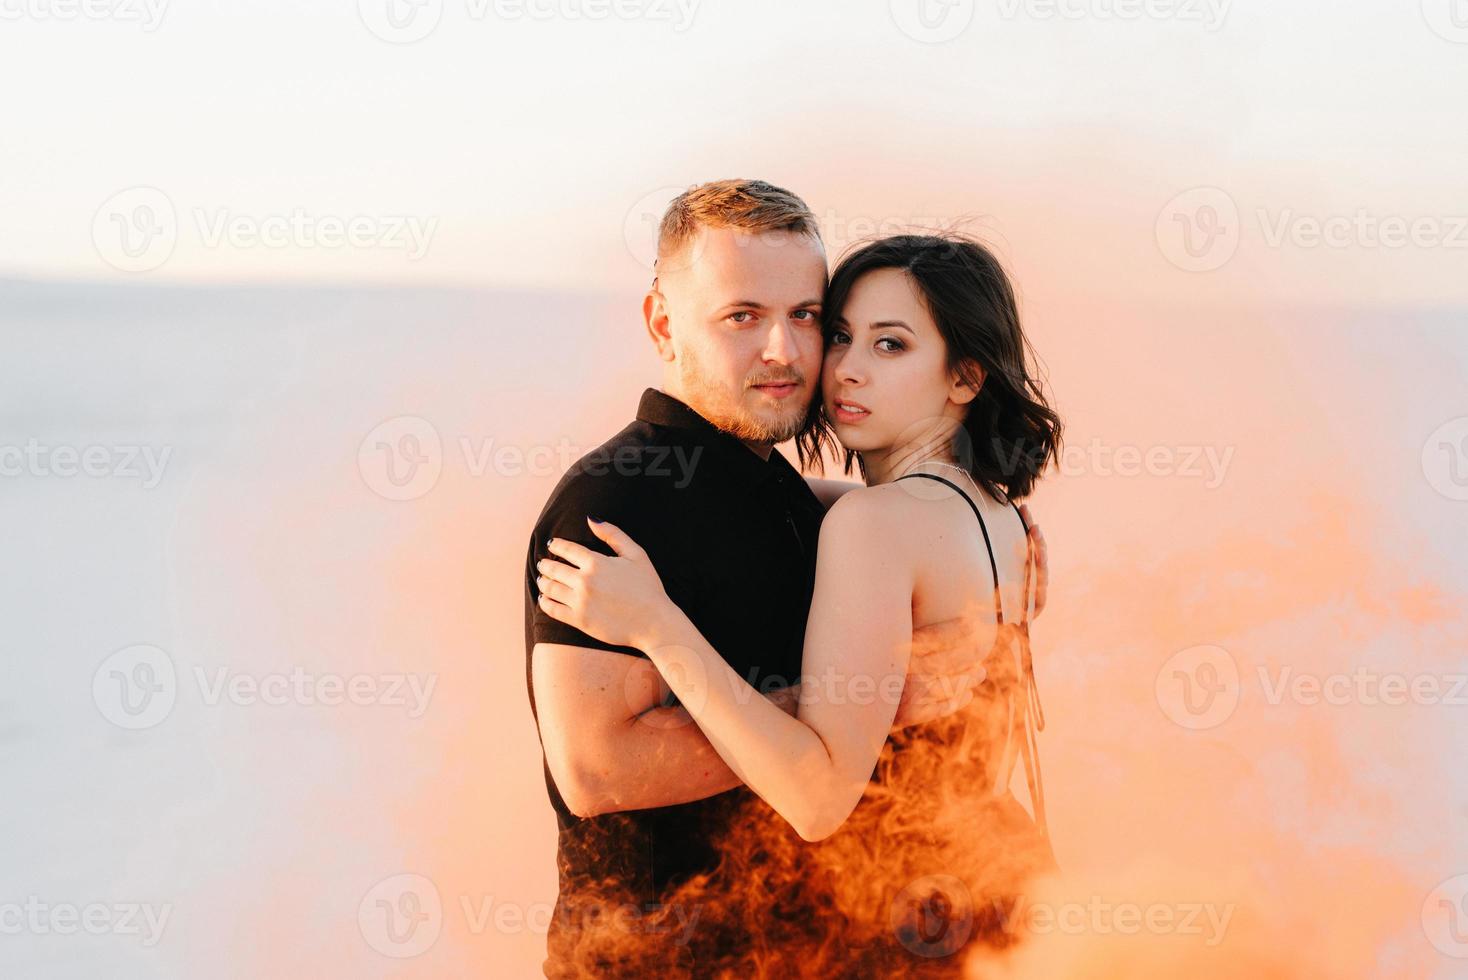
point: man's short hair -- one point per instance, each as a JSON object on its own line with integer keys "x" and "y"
{"x": 750, "y": 205}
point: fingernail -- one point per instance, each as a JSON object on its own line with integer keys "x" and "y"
{"x": 594, "y": 520}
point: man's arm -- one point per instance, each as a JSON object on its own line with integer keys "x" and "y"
{"x": 610, "y": 743}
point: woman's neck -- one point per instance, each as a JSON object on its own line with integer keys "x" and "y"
{"x": 884, "y": 466}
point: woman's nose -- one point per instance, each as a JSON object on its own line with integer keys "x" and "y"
{"x": 849, "y": 369}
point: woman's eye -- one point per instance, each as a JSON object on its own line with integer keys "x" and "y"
{"x": 837, "y": 337}
{"x": 897, "y": 345}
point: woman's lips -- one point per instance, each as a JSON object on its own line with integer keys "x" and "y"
{"x": 846, "y": 411}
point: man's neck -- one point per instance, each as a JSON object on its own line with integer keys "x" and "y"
{"x": 760, "y": 449}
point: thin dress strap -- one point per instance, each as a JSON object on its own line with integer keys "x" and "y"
{"x": 1032, "y": 715}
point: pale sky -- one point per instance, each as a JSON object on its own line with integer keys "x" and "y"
{"x": 519, "y": 143}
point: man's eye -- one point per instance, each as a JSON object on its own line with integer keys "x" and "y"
{"x": 809, "y": 316}
{"x": 743, "y": 316}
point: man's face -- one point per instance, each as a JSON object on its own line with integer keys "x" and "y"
{"x": 744, "y": 319}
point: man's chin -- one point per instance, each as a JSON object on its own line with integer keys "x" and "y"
{"x": 767, "y": 426}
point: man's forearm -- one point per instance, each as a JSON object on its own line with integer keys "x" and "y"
{"x": 662, "y": 759}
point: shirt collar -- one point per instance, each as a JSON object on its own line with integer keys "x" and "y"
{"x": 661, "y": 409}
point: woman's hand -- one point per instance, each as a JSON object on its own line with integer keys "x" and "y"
{"x": 615, "y": 598}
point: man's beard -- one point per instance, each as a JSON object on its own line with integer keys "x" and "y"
{"x": 725, "y": 410}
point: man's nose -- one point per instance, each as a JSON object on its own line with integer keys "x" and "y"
{"x": 782, "y": 345}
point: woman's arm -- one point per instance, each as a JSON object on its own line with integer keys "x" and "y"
{"x": 813, "y": 768}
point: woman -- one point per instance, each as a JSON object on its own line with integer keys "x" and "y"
{"x": 926, "y": 385}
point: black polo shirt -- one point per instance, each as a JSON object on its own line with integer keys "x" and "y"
{"x": 733, "y": 538}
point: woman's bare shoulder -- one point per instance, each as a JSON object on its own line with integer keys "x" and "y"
{"x": 888, "y": 513}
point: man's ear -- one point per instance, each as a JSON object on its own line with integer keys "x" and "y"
{"x": 655, "y": 316}
{"x": 966, "y": 385}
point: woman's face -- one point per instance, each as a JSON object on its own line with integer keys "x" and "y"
{"x": 885, "y": 379}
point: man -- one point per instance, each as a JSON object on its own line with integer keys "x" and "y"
{"x": 640, "y": 796}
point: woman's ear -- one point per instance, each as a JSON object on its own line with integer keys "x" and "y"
{"x": 655, "y": 316}
{"x": 966, "y": 383}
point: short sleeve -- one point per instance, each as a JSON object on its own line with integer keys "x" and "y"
{"x": 565, "y": 517}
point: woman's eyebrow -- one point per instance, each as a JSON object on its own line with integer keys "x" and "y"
{"x": 878, "y": 325}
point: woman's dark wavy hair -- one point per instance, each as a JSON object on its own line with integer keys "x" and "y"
{"x": 1010, "y": 433}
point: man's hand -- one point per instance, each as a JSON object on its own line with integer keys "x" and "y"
{"x": 942, "y": 674}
